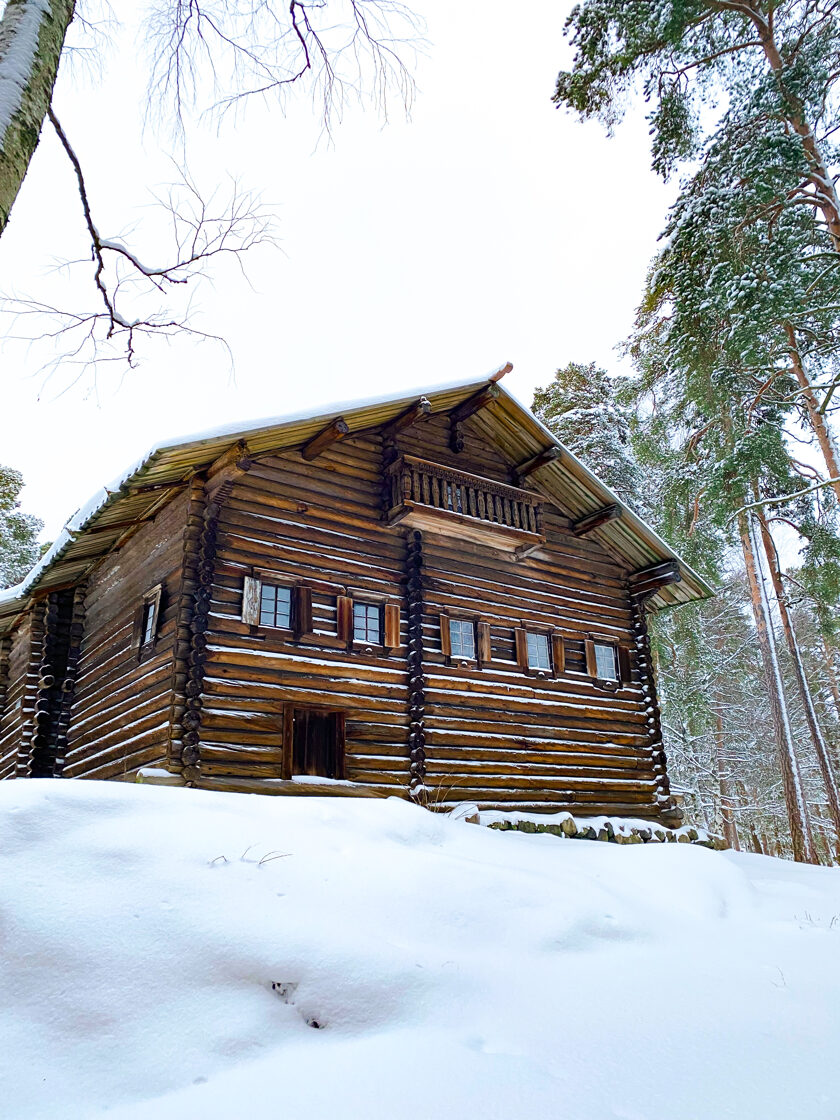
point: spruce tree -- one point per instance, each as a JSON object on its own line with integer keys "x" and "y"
{"x": 583, "y": 409}
{"x": 19, "y": 547}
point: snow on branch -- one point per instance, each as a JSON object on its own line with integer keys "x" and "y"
{"x": 201, "y": 231}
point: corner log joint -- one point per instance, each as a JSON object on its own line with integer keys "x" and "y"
{"x": 333, "y": 432}
{"x": 595, "y": 520}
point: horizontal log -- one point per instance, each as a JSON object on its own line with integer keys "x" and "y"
{"x": 333, "y": 432}
{"x": 595, "y": 520}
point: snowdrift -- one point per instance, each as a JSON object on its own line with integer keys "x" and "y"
{"x": 171, "y": 953}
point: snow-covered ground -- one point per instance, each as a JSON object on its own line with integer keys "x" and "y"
{"x": 454, "y": 971}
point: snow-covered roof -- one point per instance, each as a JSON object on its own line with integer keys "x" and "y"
{"x": 151, "y": 481}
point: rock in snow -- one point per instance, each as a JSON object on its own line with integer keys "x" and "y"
{"x": 168, "y": 952}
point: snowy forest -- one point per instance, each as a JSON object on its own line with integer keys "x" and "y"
{"x": 716, "y": 424}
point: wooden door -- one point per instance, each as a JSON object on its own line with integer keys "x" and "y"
{"x": 318, "y": 743}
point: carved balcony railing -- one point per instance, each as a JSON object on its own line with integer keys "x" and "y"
{"x": 431, "y": 496}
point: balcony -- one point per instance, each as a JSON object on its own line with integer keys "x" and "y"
{"x": 443, "y": 500}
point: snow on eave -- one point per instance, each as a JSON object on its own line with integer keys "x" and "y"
{"x": 216, "y": 439}
{"x": 223, "y": 434}
{"x": 637, "y": 523}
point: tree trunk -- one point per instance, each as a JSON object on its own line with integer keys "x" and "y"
{"x": 727, "y": 802}
{"x": 32, "y": 34}
{"x": 831, "y": 673}
{"x": 825, "y": 192}
{"x": 815, "y": 417}
{"x": 797, "y": 810}
{"x": 820, "y": 745}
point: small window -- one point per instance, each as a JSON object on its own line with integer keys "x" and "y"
{"x": 539, "y": 656}
{"x": 149, "y": 622}
{"x": 275, "y": 606}
{"x": 461, "y": 638}
{"x": 367, "y": 623}
{"x": 605, "y": 662}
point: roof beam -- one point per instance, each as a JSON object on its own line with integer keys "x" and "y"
{"x": 595, "y": 520}
{"x": 547, "y": 455}
{"x": 501, "y": 372}
{"x": 333, "y": 432}
{"x": 418, "y": 411}
{"x": 647, "y": 581}
{"x": 467, "y": 408}
{"x": 236, "y": 458}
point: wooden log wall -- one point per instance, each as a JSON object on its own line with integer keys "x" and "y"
{"x": 119, "y": 719}
{"x": 318, "y": 524}
{"x": 498, "y": 736}
{"x": 187, "y": 677}
{"x": 212, "y": 699}
{"x": 22, "y": 697}
{"x": 7, "y": 755}
{"x": 51, "y": 707}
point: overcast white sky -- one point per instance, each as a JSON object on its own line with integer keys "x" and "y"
{"x": 488, "y": 227}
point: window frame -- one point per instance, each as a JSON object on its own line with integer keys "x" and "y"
{"x": 279, "y": 587}
{"x": 390, "y": 622}
{"x": 536, "y": 633}
{"x": 613, "y": 648}
{"x": 556, "y": 650}
{"x": 473, "y": 621}
{"x": 151, "y": 600}
{"x": 621, "y": 661}
{"x": 367, "y": 604}
{"x": 300, "y": 614}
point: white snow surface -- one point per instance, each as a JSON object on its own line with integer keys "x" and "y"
{"x": 455, "y": 970}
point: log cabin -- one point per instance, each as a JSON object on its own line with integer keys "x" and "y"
{"x": 422, "y": 595}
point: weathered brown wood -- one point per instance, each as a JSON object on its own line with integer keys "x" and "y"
{"x": 529, "y": 466}
{"x": 219, "y": 690}
{"x": 235, "y": 460}
{"x": 333, "y": 432}
{"x": 413, "y": 415}
{"x": 595, "y": 520}
{"x": 647, "y": 580}
{"x": 473, "y": 404}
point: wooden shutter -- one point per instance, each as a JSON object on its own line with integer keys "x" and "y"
{"x": 558, "y": 654}
{"x": 483, "y": 648}
{"x": 391, "y": 626}
{"x": 624, "y": 671}
{"x": 302, "y": 610}
{"x": 344, "y": 619}
{"x": 137, "y": 628}
{"x": 591, "y": 663}
{"x": 521, "y": 649}
{"x": 251, "y": 591}
{"x": 445, "y": 644}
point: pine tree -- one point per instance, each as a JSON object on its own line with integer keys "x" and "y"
{"x": 19, "y": 547}
{"x": 693, "y": 54}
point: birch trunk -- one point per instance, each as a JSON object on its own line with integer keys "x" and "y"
{"x": 820, "y": 745}
{"x": 797, "y": 810}
{"x": 32, "y": 34}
